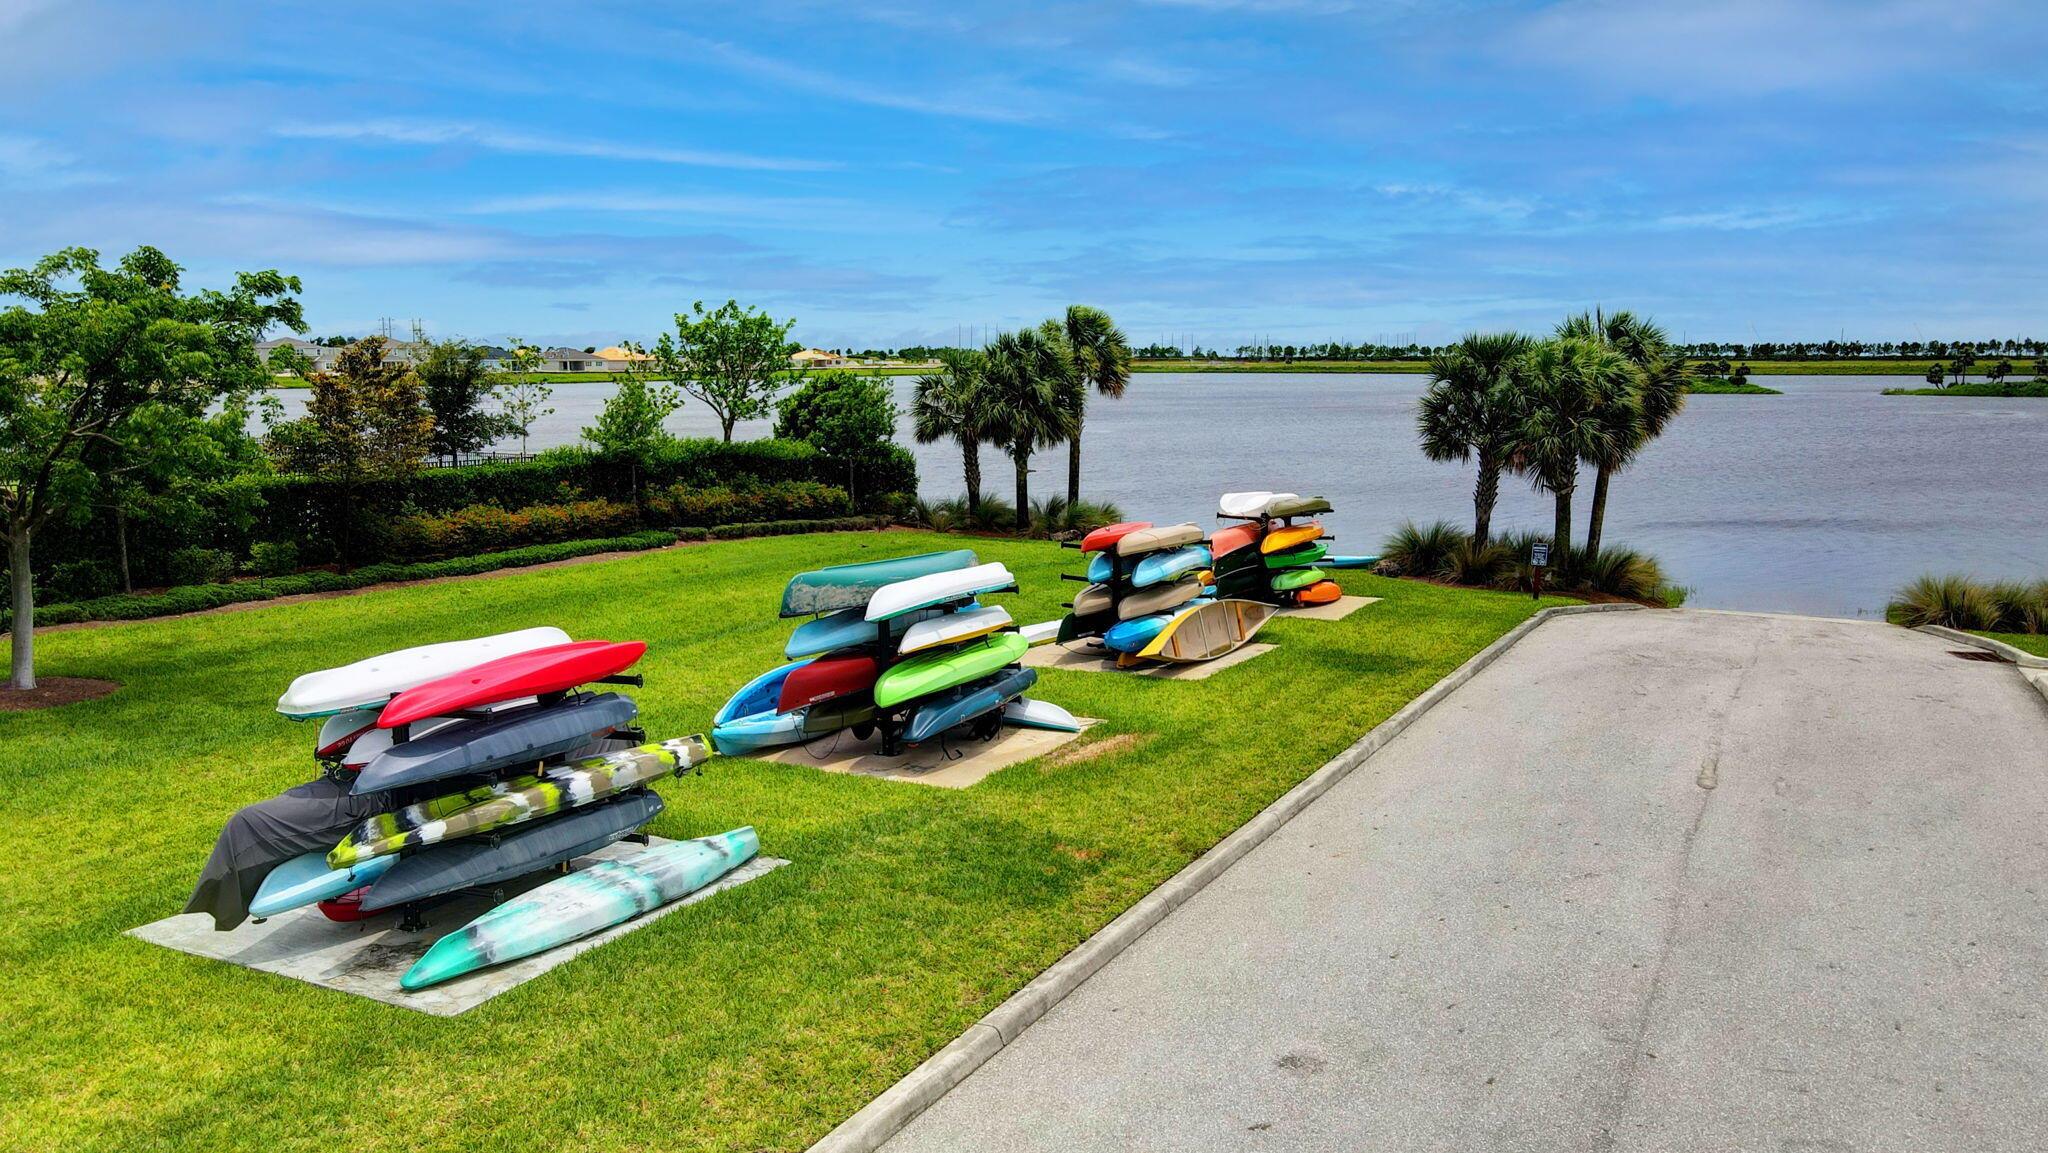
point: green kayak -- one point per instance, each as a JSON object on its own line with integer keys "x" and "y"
{"x": 937, "y": 671}
{"x": 1301, "y": 554}
{"x": 1297, "y": 506}
{"x": 1297, "y": 578}
{"x": 849, "y": 586}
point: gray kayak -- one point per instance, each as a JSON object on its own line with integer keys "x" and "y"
{"x": 514, "y": 738}
{"x": 477, "y": 861}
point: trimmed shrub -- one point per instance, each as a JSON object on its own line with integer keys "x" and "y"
{"x": 793, "y": 527}
{"x": 273, "y": 557}
{"x": 191, "y": 566}
{"x": 782, "y": 500}
{"x": 482, "y": 528}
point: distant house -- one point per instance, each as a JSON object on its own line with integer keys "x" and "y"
{"x": 617, "y": 359}
{"x": 321, "y": 355}
{"x": 816, "y": 358}
{"x": 569, "y": 360}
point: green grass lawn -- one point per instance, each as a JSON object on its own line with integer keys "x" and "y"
{"x": 2035, "y": 643}
{"x": 756, "y": 1020}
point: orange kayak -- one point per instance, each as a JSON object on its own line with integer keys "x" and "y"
{"x": 1319, "y": 593}
{"x": 1229, "y": 540}
{"x": 1109, "y": 534}
{"x": 1294, "y": 534}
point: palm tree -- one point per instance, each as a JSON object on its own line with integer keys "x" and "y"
{"x": 1102, "y": 357}
{"x": 1026, "y": 390}
{"x": 1638, "y": 416}
{"x": 948, "y": 403}
{"x": 1567, "y": 385}
{"x": 1472, "y": 409}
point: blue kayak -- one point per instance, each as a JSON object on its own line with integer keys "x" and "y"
{"x": 306, "y": 879}
{"x": 849, "y": 627}
{"x": 1101, "y": 568}
{"x": 1134, "y": 634}
{"x": 955, "y": 707}
{"x": 749, "y": 721}
{"x": 1165, "y": 566}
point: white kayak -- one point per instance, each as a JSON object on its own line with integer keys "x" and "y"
{"x": 1041, "y": 632}
{"x": 1249, "y": 504}
{"x": 953, "y": 628}
{"x": 893, "y": 600}
{"x": 1029, "y": 714}
{"x": 372, "y": 681}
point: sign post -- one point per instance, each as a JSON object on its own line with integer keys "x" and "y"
{"x": 1539, "y": 559}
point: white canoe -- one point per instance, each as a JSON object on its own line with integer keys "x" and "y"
{"x": 952, "y": 628}
{"x": 372, "y": 681}
{"x": 893, "y": 600}
{"x": 1249, "y": 504}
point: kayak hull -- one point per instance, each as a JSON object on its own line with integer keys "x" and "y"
{"x": 938, "y": 671}
{"x": 479, "y": 862}
{"x": 1029, "y": 714}
{"x": 1160, "y": 567}
{"x": 307, "y": 879}
{"x": 850, "y": 586}
{"x": 528, "y": 674}
{"x": 522, "y": 736}
{"x": 1208, "y": 631}
{"x": 374, "y": 680}
{"x": 1109, "y": 534}
{"x": 585, "y": 902}
{"x": 948, "y": 711}
{"x": 925, "y": 592}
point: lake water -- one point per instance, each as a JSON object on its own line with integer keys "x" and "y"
{"x": 1824, "y": 500}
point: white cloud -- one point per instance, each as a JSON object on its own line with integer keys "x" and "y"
{"x": 435, "y": 133}
{"x": 993, "y": 99}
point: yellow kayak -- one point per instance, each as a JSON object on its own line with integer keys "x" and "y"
{"x": 1292, "y": 535}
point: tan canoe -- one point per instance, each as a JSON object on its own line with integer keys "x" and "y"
{"x": 1208, "y": 631}
{"x": 1153, "y": 539}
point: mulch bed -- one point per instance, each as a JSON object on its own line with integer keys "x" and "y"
{"x": 51, "y": 692}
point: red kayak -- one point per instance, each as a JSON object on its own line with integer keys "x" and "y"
{"x": 555, "y": 669}
{"x": 1109, "y": 534}
{"x": 1229, "y": 540}
{"x": 826, "y": 678}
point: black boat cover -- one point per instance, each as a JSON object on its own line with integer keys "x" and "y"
{"x": 266, "y": 834}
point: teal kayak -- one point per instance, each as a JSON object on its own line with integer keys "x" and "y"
{"x": 942, "y": 669}
{"x": 849, "y": 586}
{"x": 1165, "y": 566}
{"x": 584, "y": 902}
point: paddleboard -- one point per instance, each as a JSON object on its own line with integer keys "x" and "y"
{"x": 1289, "y": 536}
{"x": 947, "y": 711}
{"x": 584, "y": 902}
{"x": 939, "y": 670}
{"x": 1208, "y": 631}
{"x": 1109, "y": 534}
{"x": 1147, "y": 540}
{"x": 849, "y": 586}
{"x": 528, "y": 674}
{"x": 504, "y": 804}
{"x": 1159, "y": 598}
{"x": 485, "y": 861}
{"x": 953, "y": 629}
{"x": 938, "y": 588}
{"x": 1029, "y": 714}
{"x": 309, "y": 878}
{"x": 1165, "y": 566}
{"x": 826, "y": 678}
{"x": 520, "y": 736}
{"x": 374, "y": 680}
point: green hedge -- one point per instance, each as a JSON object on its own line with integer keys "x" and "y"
{"x": 482, "y": 528}
{"x": 679, "y": 506}
{"x": 193, "y": 598}
{"x": 783, "y": 528}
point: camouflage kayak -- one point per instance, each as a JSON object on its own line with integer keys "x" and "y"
{"x": 584, "y": 902}
{"x": 515, "y": 801}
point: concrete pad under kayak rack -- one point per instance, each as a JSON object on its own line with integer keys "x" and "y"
{"x": 1336, "y": 610}
{"x": 950, "y": 764}
{"x": 1085, "y": 657}
{"x": 367, "y": 957}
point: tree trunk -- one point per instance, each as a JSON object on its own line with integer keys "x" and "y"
{"x": 726, "y": 421}
{"x": 1021, "y": 455}
{"x": 1598, "y": 513}
{"x": 1484, "y": 493}
{"x": 1561, "y": 530}
{"x": 121, "y": 544}
{"x": 24, "y": 626}
{"x": 970, "y": 464}
{"x": 1074, "y": 464}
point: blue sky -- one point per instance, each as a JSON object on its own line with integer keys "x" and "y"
{"x": 1214, "y": 169}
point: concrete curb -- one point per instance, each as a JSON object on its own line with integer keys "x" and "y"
{"x": 2020, "y": 657}
{"x": 887, "y": 1114}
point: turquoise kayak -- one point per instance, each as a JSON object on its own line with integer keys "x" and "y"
{"x": 1165, "y": 566}
{"x": 847, "y": 628}
{"x": 1101, "y": 568}
{"x": 306, "y": 879}
{"x": 750, "y": 721}
{"x": 1350, "y": 561}
{"x": 849, "y": 586}
{"x": 584, "y": 902}
{"x": 1131, "y": 635}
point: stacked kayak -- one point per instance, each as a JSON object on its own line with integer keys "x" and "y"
{"x": 447, "y": 767}
{"x": 1276, "y": 551}
{"x": 904, "y": 647}
{"x": 1150, "y": 597}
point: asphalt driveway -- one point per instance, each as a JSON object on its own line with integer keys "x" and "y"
{"x": 1652, "y": 881}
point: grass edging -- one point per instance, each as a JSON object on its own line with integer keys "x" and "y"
{"x": 886, "y": 1115}
{"x": 2020, "y": 657}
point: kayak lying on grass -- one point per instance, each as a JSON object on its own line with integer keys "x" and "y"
{"x": 584, "y": 902}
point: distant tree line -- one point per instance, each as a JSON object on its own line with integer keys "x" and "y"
{"x": 1702, "y": 350}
